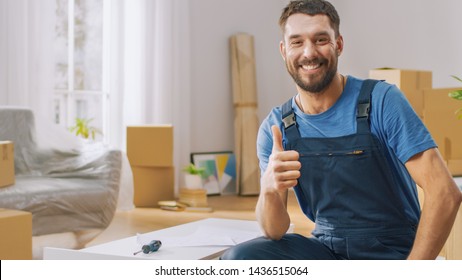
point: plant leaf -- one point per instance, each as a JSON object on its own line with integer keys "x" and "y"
{"x": 194, "y": 170}
{"x": 83, "y": 129}
{"x": 457, "y": 78}
{"x": 456, "y": 94}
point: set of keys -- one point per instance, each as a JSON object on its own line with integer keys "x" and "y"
{"x": 153, "y": 246}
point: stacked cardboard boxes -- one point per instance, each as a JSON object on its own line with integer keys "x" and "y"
{"x": 15, "y": 235}
{"x": 150, "y": 152}
{"x": 410, "y": 82}
{"x": 435, "y": 108}
{"x": 6, "y": 163}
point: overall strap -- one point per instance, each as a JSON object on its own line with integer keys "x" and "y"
{"x": 364, "y": 106}
{"x": 290, "y": 132}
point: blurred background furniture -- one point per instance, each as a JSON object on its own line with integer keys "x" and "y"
{"x": 71, "y": 192}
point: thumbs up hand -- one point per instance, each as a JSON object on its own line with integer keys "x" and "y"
{"x": 283, "y": 167}
{"x": 277, "y": 139}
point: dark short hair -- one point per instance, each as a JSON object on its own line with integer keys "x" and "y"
{"x": 311, "y": 7}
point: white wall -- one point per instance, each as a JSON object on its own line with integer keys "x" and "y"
{"x": 411, "y": 34}
{"x": 212, "y": 23}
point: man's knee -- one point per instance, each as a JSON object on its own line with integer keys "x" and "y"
{"x": 236, "y": 253}
{"x": 255, "y": 249}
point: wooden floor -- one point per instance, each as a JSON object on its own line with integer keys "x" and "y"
{"x": 142, "y": 220}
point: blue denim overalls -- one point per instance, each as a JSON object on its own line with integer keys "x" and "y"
{"x": 347, "y": 189}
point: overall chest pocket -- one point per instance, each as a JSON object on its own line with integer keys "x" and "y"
{"x": 326, "y": 163}
{"x": 350, "y": 152}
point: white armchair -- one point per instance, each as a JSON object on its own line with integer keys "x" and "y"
{"x": 72, "y": 193}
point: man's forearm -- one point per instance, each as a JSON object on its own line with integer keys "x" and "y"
{"x": 438, "y": 215}
{"x": 281, "y": 174}
{"x": 442, "y": 199}
{"x": 272, "y": 214}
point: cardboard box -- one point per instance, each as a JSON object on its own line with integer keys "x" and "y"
{"x": 15, "y": 235}
{"x": 441, "y": 121}
{"x": 152, "y": 184}
{"x": 6, "y": 163}
{"x": 150, "y": 146}
{"x": 410, "y": 82}
{"x": 455, "y": 167}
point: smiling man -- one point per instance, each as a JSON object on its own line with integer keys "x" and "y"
{"x": 353, "y": 151}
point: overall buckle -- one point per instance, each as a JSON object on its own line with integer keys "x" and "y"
{"x": 363, "y": 110}
{"x": 289, "y": 120}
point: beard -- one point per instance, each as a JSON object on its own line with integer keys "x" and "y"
{"x": 314, "y": 86}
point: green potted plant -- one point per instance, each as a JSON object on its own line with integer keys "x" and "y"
{"x": 82, "y": 128}
{"x": 457, "y": 94}
{"x": 193, "y": 176}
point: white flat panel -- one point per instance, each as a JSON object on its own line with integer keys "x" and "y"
{"x": 204, "y": 239}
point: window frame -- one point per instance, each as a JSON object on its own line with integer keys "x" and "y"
{"x": 65, "y": 100}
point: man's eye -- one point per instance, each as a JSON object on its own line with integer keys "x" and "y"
{"x": 296, "y": 43}
{"x": 322, "y": 41}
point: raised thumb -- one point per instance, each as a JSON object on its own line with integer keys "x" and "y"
{"x": 277, "y": 139}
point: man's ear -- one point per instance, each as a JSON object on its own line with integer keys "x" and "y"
{"x": 282, "y": 50}
{"x": 340, "y": 44}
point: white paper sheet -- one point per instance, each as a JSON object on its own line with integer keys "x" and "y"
{"x": 203, "y": 236}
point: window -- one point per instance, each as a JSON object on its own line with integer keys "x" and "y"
{"x": 81, "y": 71}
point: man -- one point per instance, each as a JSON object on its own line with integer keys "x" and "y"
{"x": 353, "y": 151}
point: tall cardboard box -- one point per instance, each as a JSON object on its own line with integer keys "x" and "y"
{"x": 150, "y": 145}
{"x": 150, "y": 152}
{"x": 410, "y": 82}
{"x": 6, "y": 163}
{"x": 442, "y": 122}
{"x": 15, "y": 235}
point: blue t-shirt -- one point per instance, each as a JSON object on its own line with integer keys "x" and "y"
{"x": 393, "y": 121}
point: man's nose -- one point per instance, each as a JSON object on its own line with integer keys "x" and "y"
{"x": 309, "y": 50}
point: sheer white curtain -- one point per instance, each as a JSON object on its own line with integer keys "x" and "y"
{"x": 149, "y": 62}
{"x": 26, "y": 54}
{"x": 150, "y": 68}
